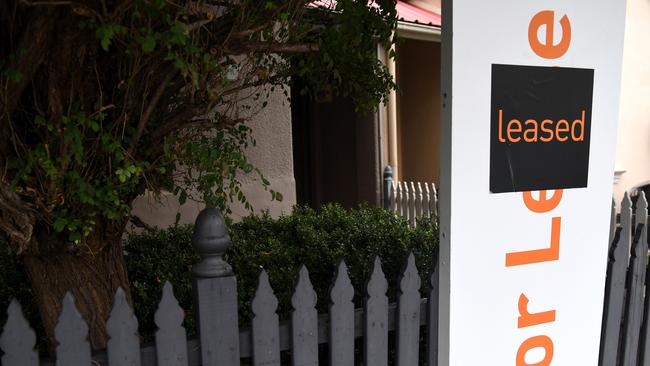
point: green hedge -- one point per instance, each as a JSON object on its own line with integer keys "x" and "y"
{"x": 316, "y": 238}
{"x": 14, "y": 283}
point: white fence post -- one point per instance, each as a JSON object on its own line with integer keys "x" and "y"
{"x": 215, "y": 290}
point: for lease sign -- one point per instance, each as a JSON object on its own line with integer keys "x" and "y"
{"x": 530, "y": 110}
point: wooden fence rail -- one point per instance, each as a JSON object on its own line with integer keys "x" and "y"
{"x": 410, "y": 200}
{"x": 221, "y": 341}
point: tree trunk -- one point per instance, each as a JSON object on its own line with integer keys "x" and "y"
{"x": 92, "y": 277}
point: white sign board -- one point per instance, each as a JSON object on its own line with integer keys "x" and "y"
{"x": 530, "y": 111}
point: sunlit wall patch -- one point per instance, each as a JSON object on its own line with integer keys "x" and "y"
{"x": 540, "y": 127}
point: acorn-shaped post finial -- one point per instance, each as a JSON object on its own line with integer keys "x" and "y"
{"x": 211, "y": 241}
{"x": 388, "y": 173}
{"x": 388, "y": 186}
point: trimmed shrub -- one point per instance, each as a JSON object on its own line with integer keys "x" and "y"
{"x": 319, "y": 239}
{"x": 152, "y": 258}
{"x": 14, "y": 284}
{"x": 316, "y": 238}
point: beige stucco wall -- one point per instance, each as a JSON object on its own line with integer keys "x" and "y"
{"x": 272, "y": 154}
{"x": 633, "y": 148}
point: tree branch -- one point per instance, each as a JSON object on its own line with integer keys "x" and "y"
{"x": 16, "y": 219}
{"x": 47, "y": 3}
{"x": 248, "y": 32}
{"x": 29, "y": 55}
{"x": 153, "y": 103}
{"x": 271, "y": 80}
{"x": 175, "y": 123}
{"x": 276, "y": 47}
{"x": 137, "y": 222}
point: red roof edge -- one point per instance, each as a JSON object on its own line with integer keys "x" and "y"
{"x": 405, "y": 12}
{"x": 413, "y": 14}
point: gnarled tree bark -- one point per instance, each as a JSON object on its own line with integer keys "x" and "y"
{"x": 92, "y": 273}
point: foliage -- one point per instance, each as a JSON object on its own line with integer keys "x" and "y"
{"x": 14, "y": 284}
{"x": 102, "y": 100}
{"x": 154, "y": 257}
{"x": 316, "y": 238}
{"x": 319, "y": 239}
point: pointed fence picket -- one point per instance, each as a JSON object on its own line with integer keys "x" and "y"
{"x": 171, "y": 338}
{"x": 304, "y": 322}
{"x": 635, "y": 285}
{"x": 413, "y": 203}
{"x": 626, "y": 313}
{"x": 625, "y": 329}
{"x": 123, "y": 345}
{"x": 266, "y": 327}
{"x": 18, "y": 339}
{"x": 426, "y": 197}
{"x": 406, "y": 200}
{"x": 342, "y": 319}
{"x": 71, "y": 333}
{"x": 432, "y": 318}
{"x": 644, "y": 340}
{"x": 615, "y": 286}
{"x": 409, "y": 199}
{"x": 408, "y": 309}
{"x": 376, "y": 320}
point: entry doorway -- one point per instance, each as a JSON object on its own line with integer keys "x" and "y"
{"x": 335, "y": 151}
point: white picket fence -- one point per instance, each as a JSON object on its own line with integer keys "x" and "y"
{"x": 625, "y": 339}
{"x": 410, "y": 200}
{"x": 221, "y": 340}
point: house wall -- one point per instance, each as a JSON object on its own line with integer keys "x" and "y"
{"x": 418, "y": 108}
{"x": 633, "y": 149}
{"x": 272, "y": 155}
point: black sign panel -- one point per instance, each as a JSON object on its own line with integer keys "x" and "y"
{"x": 540, "y": 127}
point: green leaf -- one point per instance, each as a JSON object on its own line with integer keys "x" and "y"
{"x": 104, "y": 39}
{"x": 60, "y": 224}
{"x": 13, "y": 75}
{"x": 148, "y": 44}
{"x": 94, "y": 125}
{"x": 106, "y": 32}
{"x": 182, "y": 198}
{"x": 178, "y": 34}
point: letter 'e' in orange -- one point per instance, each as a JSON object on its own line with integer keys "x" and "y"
{"x": 542, "y": 205}
{"x": 547, "y": 48}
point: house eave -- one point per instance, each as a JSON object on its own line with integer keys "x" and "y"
{"x": 420, "y": 32}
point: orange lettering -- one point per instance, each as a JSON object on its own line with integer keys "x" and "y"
{"x": 565, "y": 128}
{"x": 516, "y": 129}
{"x": 501, "y": 126}
{"x": 533, "y": 129}
{"x": 542, "y": 205}
{"x": 552, "y": 253}
{"x": 547, "y": 48}
{"x": 581, "y": 124}
{"x": 536, "y": 342}
{"x": 550, "y": 131}
{"x": 527, "y": 319}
